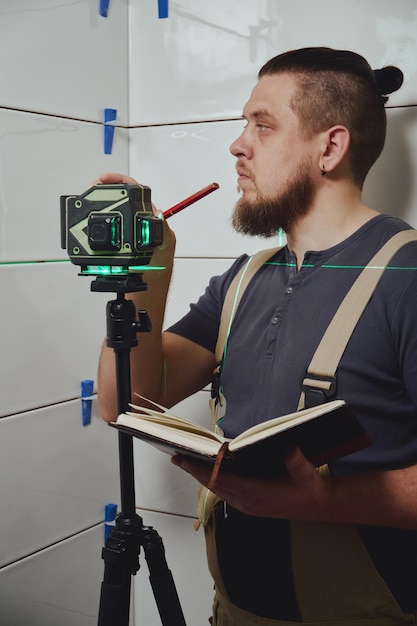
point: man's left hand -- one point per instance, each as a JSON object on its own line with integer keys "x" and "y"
{"x": 297, "y": 496}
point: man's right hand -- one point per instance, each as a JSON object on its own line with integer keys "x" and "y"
{"x": 162, "y": 256}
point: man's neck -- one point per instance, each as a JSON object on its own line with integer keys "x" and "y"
{"x": 327, "y": 224}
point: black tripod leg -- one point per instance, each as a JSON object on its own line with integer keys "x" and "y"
{"x": 121, "y": 552}
{"x": 161, "y": 580}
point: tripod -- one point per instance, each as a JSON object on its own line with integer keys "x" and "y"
{"x": 122, "y": 547}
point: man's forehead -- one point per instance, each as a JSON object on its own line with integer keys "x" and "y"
{"x": 271, "y": 95}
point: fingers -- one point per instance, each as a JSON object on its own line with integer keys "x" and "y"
{"x": 157, "y": 212}
{"x": 114, "y": 178}
{"x": 299, "y": 468}
{"x": 200, "y": 471}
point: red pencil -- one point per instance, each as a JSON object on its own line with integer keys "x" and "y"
{"x": 190, "y": 200}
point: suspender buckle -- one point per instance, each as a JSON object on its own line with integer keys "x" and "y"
{"x": 215, "y": 384}
{"x": 317, "y": 388}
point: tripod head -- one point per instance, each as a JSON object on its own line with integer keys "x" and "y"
{"x": 122, "y": 325}
{"x": 127, "y": 283}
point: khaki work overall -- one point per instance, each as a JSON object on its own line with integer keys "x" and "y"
{"x": 345, "y": 589}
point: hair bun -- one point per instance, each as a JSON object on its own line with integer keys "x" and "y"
{"x": 388, "y": 79}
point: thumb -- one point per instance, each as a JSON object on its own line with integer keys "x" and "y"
{"x": 298, "y": 467}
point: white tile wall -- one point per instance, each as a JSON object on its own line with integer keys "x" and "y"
{"x": 202, "y": 62}
{"x": 64, "y": 58}
{"x": 58, "y": 585}
{"x": 51, "y": 331}
{"x": 41, "y": 158}
{"x": 62, "y": 63}
{"x": 61, "y": 584}
{"x": 49, "y": 486}
{"x": 189, "y": 279}
{"x": 391, "y": 186}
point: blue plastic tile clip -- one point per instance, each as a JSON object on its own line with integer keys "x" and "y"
{"x": 87, "y": 391}
{"x": 109, "y": 116}
{"x": 162, "y": 9}
{"x": 104, "y": 7}
{"x": 110, "y": 511}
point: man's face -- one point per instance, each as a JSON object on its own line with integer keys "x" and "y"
{"x": 274, "y": 161}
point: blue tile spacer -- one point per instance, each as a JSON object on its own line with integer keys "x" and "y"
{"x": 104, "y": 7}
{"x": 110, "y": 511}
{"x": 109, "y": 116}
{"x": 162, "y": 9}
{"x": 87, "y": 391}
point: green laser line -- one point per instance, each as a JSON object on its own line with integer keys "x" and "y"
{"x": 135, "y": 268}
{"x": 10, "y": 263}
{"x": 343, "y": 267}
{"x": 371, "y": 267}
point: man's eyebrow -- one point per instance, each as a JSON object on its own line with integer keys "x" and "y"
{"x": 260, "y": 113}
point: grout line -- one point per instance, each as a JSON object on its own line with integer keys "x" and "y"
{"x": 39, "y": 551}
{"x": 115, "y": 124}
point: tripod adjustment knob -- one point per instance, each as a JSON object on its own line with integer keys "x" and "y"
{"x": 144, "y": 324}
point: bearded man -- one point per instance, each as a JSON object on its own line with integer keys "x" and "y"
{"x": 315, "y": 547}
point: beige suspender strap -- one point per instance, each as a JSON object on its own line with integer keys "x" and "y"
{"x": 234, "y": 295}
{"x": 333, "y": 343}
{"x": 231, "y": 302}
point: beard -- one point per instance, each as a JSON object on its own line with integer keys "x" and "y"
{"x": 265, "y": 216}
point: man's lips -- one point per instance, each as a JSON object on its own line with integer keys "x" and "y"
{"x": 242, "y": 175}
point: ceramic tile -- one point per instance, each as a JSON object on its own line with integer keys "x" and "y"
{"x": 201, "y": 63}
{"x": 59, "y": 585}
{"x": 201, "y": 57}
{"x": 42, "y": 158}
{"x": 51, "y": 333}
{"x": 64, "y": 58}
{"x": 190, "y": 279}
{"x": 56, "y": 476}
{"x": 391, "y": 186}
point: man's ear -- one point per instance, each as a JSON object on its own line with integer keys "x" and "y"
{"x": 335, "y": 146}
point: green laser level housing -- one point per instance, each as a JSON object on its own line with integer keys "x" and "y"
{"x": 110, "y": 226}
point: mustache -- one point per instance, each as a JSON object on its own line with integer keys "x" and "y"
{"x": 242, "y": 171}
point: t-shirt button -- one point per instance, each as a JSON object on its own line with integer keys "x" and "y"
{"x": 289, "y": 290}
